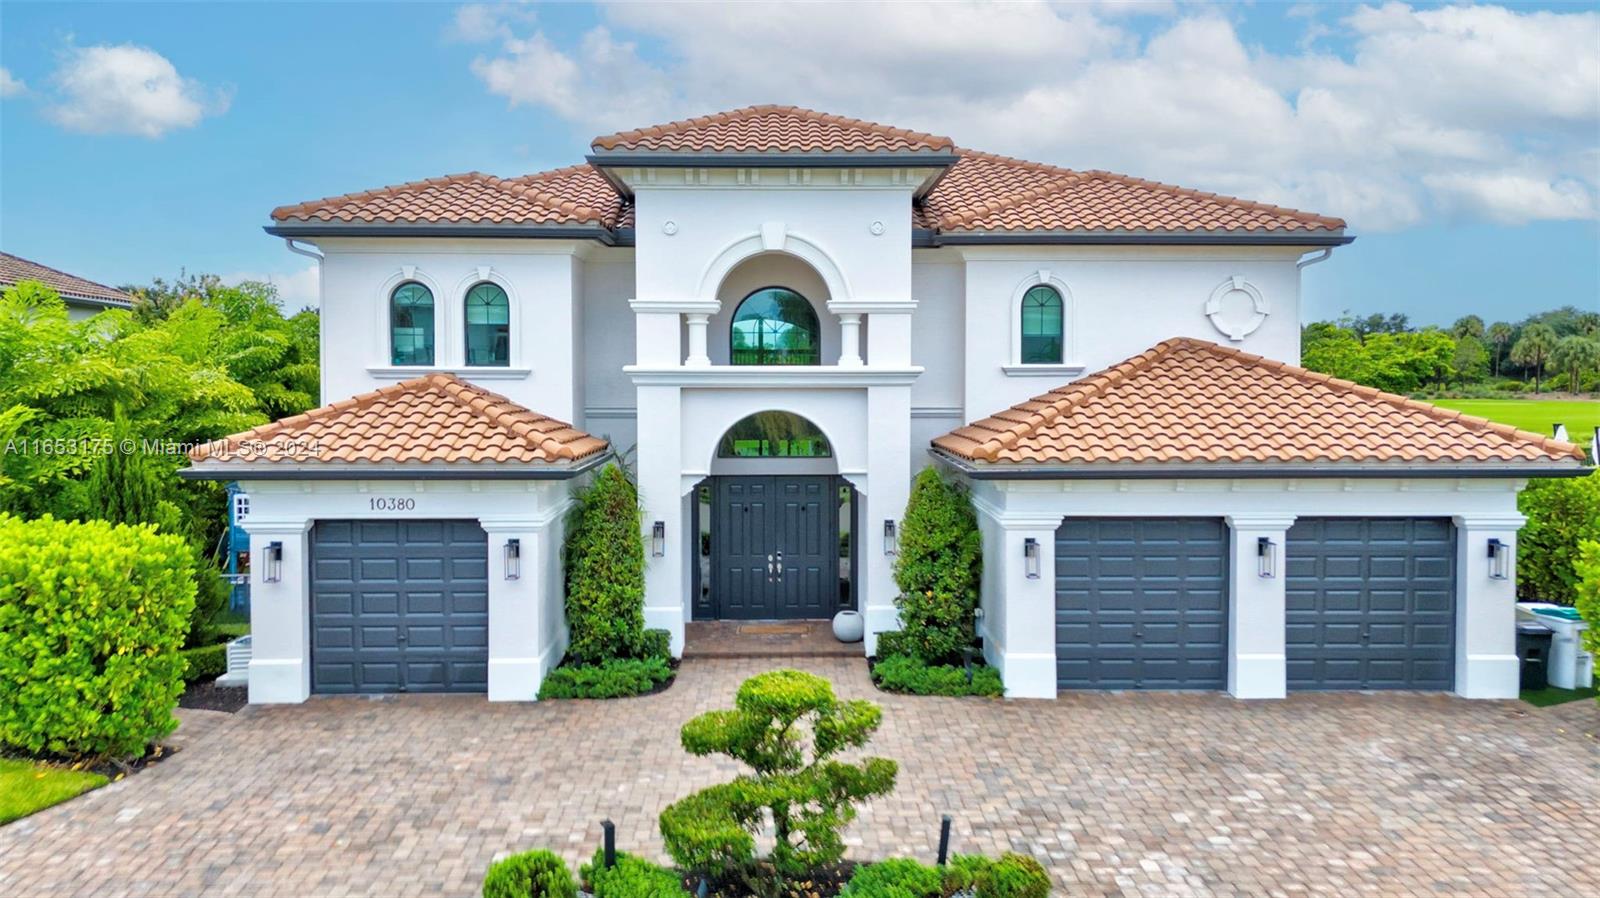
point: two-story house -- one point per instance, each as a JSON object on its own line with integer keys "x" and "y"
{"x": 777, "y": 317}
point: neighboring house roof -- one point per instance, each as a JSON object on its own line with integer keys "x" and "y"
{"x": 71, "y": 287}
{"x": 1195, "y": 403}
{"x": 981, "y": 197}
{"x": 435, "y": 419}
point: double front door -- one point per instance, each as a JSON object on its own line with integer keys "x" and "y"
{"x": 775, "y": 547}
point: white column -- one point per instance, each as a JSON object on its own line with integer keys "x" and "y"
{"x": 280, "y": 614}
{"x": 516, "y": 609}
{"x": 1257, "y": 610}
{"x": 887, "y": 489}
{"x": 1019, "y": 607}
{"x": 1486, "y": 608}
{"x": 849, "y": 340}
{"x": 660, "y": 461}
{"x": 697, "y": 340}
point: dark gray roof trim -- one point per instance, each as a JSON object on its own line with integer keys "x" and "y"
{"x": 624, "y": 159}
{"x": 78, "y": 299}
{"x": 1275, "y": 470}
{"x": 326, "y": 471}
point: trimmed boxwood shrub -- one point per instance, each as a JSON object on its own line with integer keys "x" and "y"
{"x": 1562, "y": 512}
{"x": 1012, "y": 876}
{"x": 91, "y": 619}
{"x": 898, "y": 878}
{"x": 617, "y": 678}
{"x": 938, "y": 570}
{"x": 605, "y": 572}
{"x": 632, "y": 877}
{"x": 205, "y": 662}
{"x": 531, "y": 874}
{"x": 901, "y": 673}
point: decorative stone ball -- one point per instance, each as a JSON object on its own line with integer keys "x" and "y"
{"x": 848, "y": 626}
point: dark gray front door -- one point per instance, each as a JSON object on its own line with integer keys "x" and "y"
{"x": 399, "y": 606}
{"x": 774, "y": 547}
{"x": 1371, "y": 603}
{"x": 1141, "y": 603}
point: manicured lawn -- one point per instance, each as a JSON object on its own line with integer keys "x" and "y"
{"x": 26, "y": 787}
{"x": 1537, "y": 415}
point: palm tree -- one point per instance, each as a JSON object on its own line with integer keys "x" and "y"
{"x": 1500, "y": 335}
{"x": 1575, "y": 355}
{"x": 1467, "y": 326}
{"x": 1533, "y": 350}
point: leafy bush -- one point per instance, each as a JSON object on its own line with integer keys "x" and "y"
{"x": 1561, "y": 512}
{"x": 632, "y": 877}
{"x": 531, "y": 874}
{"x": 1012, "y": 876}
{"x": 91, "y": 619}
{"x": 897, "y": 878}
{"x": 810, "y": 800}
{"x": 656, "y": 643}
{"x": 205, "y": 662}
{"x": 938, "y": 571}
{"x": 616, "y": 678}
{"x": 900, "y": 673}
{"x": 1588, "y": 602}
{"x": 605, "y": 572}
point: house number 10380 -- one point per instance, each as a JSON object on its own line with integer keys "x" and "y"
{"x": 392, "y": 503}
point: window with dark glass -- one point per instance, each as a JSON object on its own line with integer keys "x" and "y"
{"x": 775, "y": 326}
{"x": 411, "y": 325}
{"x": 1041, "y": 326}
{"x": 488, "y": 325}
{"x": 774, "y": 435}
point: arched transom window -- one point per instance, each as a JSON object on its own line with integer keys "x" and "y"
{"x": 775, "y": 326}
{"x": 488, "y": 314}
{"x": 1042, "y": 326}
{"x": 411, "y": 325}
{"x": 774, "y": 435}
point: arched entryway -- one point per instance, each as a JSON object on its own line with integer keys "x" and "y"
{"x": 774, "y": 523}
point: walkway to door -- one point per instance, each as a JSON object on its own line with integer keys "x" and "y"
{"x": 765, "y": 639}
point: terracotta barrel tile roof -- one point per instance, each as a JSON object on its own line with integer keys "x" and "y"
{"x": 438, "y": 418}
{"x": 566, "y": 196}
{"x": 1188, "y": 400}
{"x": 773, "y": 129}
{"x": 69, "y": 286}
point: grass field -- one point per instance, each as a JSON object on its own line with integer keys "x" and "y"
{"x": 26, "y": 786}
{"x": 1537, "y": 415}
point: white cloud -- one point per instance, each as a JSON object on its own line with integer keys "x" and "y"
{"x": 127, "y": 89}
{"x": 1478, "y": 111}
{"x": 11, "y": 86}
{"x": 296, "y": 289}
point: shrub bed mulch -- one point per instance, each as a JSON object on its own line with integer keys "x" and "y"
{"x": 206, "y": 695}
{"x": 111, "y": 768}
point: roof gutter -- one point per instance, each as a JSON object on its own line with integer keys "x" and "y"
{"x": 1202, "y": 471}
{"x": 1205, "y": 238}
{"x": 275, "y": 471}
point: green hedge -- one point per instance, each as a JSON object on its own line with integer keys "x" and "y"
{"x": 605, "y": 571}
{"x": 1011, "y": 876}
{"x": 899, "y": 673}
{"x": 617, "y": 678}
{"x": 91, "y": 619}
{"x": 205, "y": 662}
{"x": 632, "y": 877}
{"x": 531, "y": 874}
{"x": 1588, "y": 603}
{"x": 938, "y": 570}
{"x": 1562, "y": 512}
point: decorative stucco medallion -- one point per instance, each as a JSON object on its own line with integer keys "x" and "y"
{"x": 1236, "y": 308}
{"x": 876, "y": 228}
{"x": 669, "y": 228}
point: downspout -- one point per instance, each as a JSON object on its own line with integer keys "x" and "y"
{"x": 322, "y": 331}
{"x": 1312, "y": 260}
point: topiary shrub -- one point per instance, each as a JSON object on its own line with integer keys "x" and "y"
{"x": 205, "y": 662}
{"x": 630, "y": 878}
{"x": 1561, "y": 512}
{"x": 91, "y": 619}
{"x": 605, "y": 571}
{"x": 531, "y": 874}
{"x": 1012, "y": 876}
{"x": 617, "y": 678}
{"x": 902, "y": 673}
{"x": 938, "y": 570}
{"x": 809, "y": 796}
{"x": 898, "y": 878}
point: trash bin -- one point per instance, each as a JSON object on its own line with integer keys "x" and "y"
{"x": 1533, "y": 650}
{"x": 1570, "y": 667}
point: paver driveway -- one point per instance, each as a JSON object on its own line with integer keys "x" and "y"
{"x": 1121, "y": 794}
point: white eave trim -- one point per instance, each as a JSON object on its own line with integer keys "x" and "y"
{"x": 468, "y": 373}
{"x": 773, "y": 376}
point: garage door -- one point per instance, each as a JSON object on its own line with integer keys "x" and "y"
{"x": 1141, "y": 604}
{"x": 1371, "y": 603}
{"x": 399, "y": 606}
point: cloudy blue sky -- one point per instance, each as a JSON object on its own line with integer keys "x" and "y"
{"x": 1461, "y": 142}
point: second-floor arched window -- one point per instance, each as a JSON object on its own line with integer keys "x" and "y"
{"x": 411, "y": 325}
{"x": 1042, "y": 326}
{"x": 488, "y": 319}
{"x": 775, "y": 326}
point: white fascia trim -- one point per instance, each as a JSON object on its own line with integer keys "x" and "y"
{"x": 683, "y": 306}
{"x": 407, "y": 372}
{"x": 736, "y": 377}
{"x": 1260, "y": 521}
{"x": 1042, "y": 370}
{"x": 1505, "y": 521}
{"x": 854, "y": 306}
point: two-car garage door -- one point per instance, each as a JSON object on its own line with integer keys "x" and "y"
{"x": 1142, "y": 603}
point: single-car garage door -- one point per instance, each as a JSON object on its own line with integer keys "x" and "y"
{"x": 399, "y": 606}
{"x": 1371, "y": 603}
{"x": 1141, "y": 603}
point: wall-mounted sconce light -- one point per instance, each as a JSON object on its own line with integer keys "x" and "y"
{"x": 891, "y": 538}
{"x": 513, "y": 559}
{"x": 272, "y": 565}
{"x": 1030, "y": 558}
{"x": 1266, "y": 558}
{"x": 1499, "y": 560}
{"x": 658, "y": 538}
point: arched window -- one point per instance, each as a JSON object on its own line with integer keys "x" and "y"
{"x": 775, "y": 326}
{"x": 488, "y": 325}
{"x": 1041, "y": 326}
{"x": 774, "y": 435}
{"x": 411, "y": 324}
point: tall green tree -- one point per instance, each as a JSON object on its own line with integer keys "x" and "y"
{"x": 1499, "y": 336}
{"x": 1575, "y": 355}
{"x": 1533, "y": 348}
{"x": 1467, "y": 326}
{"x": 1471, "y": 359}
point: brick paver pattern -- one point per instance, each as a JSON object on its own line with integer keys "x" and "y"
{"x": 1119, "y": 794}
